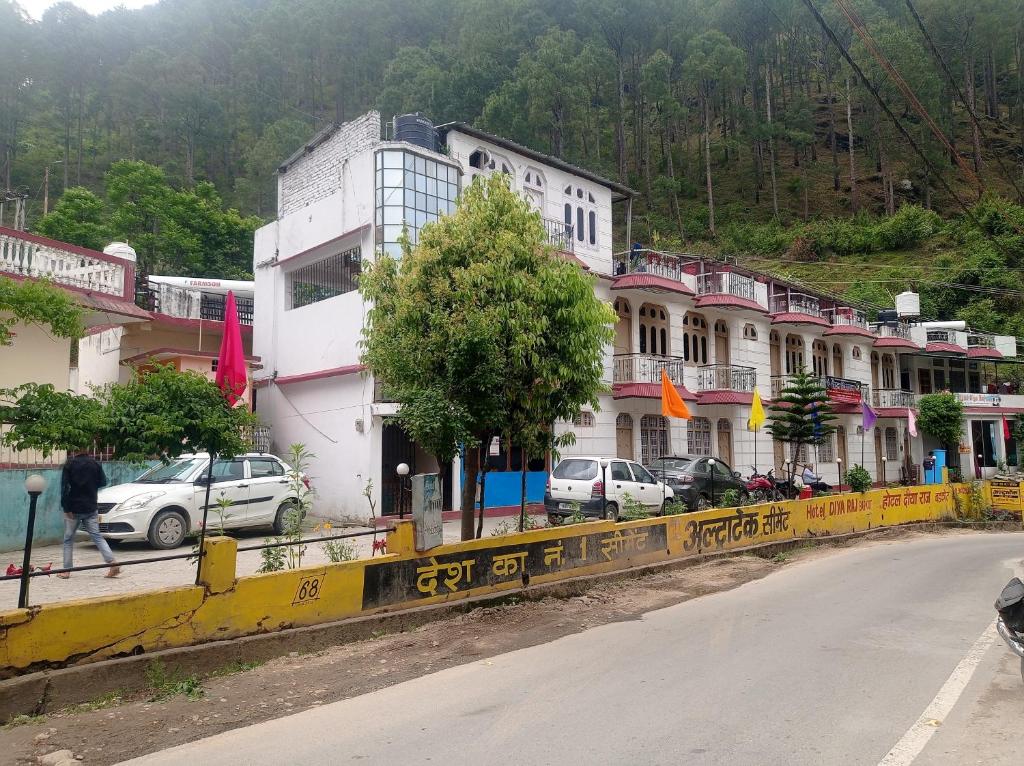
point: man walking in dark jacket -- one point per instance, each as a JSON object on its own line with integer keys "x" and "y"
{"x": 80, "y": 481}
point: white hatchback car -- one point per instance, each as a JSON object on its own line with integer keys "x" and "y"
{"x": 576, "y": 483}
{"x": 166, "y": 502}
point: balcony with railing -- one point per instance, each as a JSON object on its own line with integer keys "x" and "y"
{"x": 725, "y": 384}
{"x": 845, "y": 394}
{"x": 639, "y": 375}
{"x": 981, "y": 346}
{"x": 847, "y": 321}
{"x": 192, "y": 303}
{"x": 653, "y": 271}
{"x": 941, "y": 341}
{"x": 729, "y": 290}
{"x": 796, "y": 308}
{"x": 27, "y": 255}
{"x": 895, "y": 335}
{"x": 893, "y": 399}
{"x": 559, "y": 234}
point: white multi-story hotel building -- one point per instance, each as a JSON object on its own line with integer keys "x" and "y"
{"x": 717, "y": 329}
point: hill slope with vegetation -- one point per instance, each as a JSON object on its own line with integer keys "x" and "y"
{"x": 740, "y": 124}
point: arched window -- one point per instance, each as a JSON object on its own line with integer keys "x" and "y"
{"x": 698, "y": 436}
{"x": 653, "y": 438}
{"x": 568, "y": 215}
{"x": 579, "y": 224}
{"x": 819, "y": 358}
{"x": 855, "y": 353}
{"x": 794, "y": 353}
{"x": 695, "y": 339}
{"x": 653, "y": 328}
{"x": 837, "y": 360}
{"x": 749, "y": 332}
{"x": 593, "y": 227}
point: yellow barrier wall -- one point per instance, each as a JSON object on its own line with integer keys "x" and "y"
{"x": 228, "y": 607}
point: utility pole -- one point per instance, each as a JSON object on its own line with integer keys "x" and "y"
{"x": 46, "y": 190}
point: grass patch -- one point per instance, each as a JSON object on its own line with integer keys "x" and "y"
{"x": 23, "y": 720}
{"x": 110, "y": 699}
{"x": 234, "y": 668}
{"x": 166, "y": 684}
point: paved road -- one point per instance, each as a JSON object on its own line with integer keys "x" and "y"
{"x": 830, "y": 661}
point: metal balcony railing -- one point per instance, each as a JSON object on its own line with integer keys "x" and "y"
{"x": 980, "y": 341}
{"x": 646, "y": 368}
{"x": 897, "y": 330}
{"x": 941, "y": 336}
{"x": 892, "y": 397}
{"x": 795, "y": 303}
{"x": 838, "y": 387}
{"x": 559, "y": 234}
{"x": 190, "y": 304}
{"x": 726, "y": 283}
{"x": 664, "y": 265}
{"x": 726, "y": 377}
{"x": 847, "y": 316}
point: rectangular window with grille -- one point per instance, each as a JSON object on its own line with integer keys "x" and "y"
{"x": 327, "y": 278}
{"x": 891, "y": 444}
{"x": 698, "y": 436}
{"x": 653, "y": 438}
{"x": 827, "y": 450}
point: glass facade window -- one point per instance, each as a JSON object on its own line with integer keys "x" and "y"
{"x": 411, "y": 191}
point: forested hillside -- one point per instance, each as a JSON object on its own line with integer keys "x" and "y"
{"x": 738, "y": 121}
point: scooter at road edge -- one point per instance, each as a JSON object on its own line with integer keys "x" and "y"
{"x": 1010, "y": 625}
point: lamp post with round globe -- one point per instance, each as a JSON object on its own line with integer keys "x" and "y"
{"x": 402, "y": 470}
{"x": 711, "y": 466}
{"x": 34, "y": 485}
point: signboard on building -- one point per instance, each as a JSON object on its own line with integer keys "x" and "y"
{"x": 426, "y": 510}
{"x": 843, "y": 390}
{"x": 1006, "y": 495}
{"x": 980, "y": 400}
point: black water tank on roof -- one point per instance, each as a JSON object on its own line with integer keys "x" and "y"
{"x": 415, "y": 129}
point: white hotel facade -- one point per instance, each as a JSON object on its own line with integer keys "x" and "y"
{"x": 717, "y": 329}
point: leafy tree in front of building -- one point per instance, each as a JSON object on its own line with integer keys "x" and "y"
{"x": 801, "y": 415}
{"x": 37, "y": 302}
{"x": 482, "y": 331}
{"x": 942, "y": 417}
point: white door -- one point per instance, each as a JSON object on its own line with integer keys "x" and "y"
{"x": 650, "y": 494}
{"x": 620, "y": 483}
{"x": 229, "y": 482}
{"x": 269, "y": 486}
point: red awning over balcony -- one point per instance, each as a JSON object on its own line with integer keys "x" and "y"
{"x": 726, "y": 301}
{"x": 725, "y": 397}
{"x": 890, "y": 341}
{"x": 984, "y": 353}
{"x": 796, "y": 317}
{"x": 646, "y": 391}
{"x": 943, "y": 347}
{"x": 849, "y": 329}
{"x": 652, "y": 282}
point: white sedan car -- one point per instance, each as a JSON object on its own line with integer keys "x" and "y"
{"x": 166, "y": 502}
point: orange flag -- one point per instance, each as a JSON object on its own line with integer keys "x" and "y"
{"x": 672, "y": 404}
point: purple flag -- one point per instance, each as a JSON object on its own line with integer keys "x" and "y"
{"x": 869, "y": 415}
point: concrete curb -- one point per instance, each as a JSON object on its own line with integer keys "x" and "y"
{"x": 50, "y": 690}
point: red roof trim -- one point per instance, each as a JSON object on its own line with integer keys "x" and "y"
{"x": 58, "y": 245}
{"x": 572, "y": 258}
{"x": 215, "y": 325}
{"x": 646, "y": 391}
{"x": 169, "y": 351}
{"x": 649, "y": 282}
{"x": 990, "y": 410}
{"x": 322, "y": 245}
{"x": 890, "y": 342}
{"x": 725, "y": 301}
{"x": 724, "y": 397}
{"x": 984, "y": 353}
{"x": 849, "y": 329}
{"x": 128, "y": 303}
{"x": 892, "y": 412}
{"x": 944, "y": 348}
{"x": 284, "y": 380}
{"x": 796, "y": 317}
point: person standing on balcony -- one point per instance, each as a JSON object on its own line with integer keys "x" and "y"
{"x": 81, "y": 479}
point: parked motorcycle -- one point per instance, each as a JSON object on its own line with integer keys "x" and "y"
{"x": 764, "y": 488}
{"x": 1010, "y": 625}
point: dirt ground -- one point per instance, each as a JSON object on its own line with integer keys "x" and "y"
{"x": 182, "y": 709}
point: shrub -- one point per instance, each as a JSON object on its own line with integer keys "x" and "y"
{"x": 757, "y": 238}
{"x": 845, "y": 237}
{"x": 632, "y": 509}
{"x": 732, "y": 498}
{"x": 910, "y": 225}
{"x": 803, "y": 249}
{"x": 858, "y": 478}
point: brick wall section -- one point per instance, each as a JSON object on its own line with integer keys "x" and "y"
{"x": 318, "y": 174}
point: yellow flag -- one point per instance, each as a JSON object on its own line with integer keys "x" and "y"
{"x": 756, "y": 412}
{"x": 672, "y": 404}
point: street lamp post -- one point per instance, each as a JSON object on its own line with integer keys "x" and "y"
{"x": 34, "y": 485}
{"x": 885, "y": 470}
{"x": 981, "y": 466}
{"x": 402, "y": 469}
{"x": 711, "y": 465}
{"x": 839, "y": 463}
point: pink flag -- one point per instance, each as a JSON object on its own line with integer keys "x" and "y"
{"x": 231, "y": 370}
{"x": 911, "y": 422}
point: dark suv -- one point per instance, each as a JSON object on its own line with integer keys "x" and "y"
{"x": 692, "y": 478}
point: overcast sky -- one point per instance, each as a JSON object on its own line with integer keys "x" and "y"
{"x": 35, "y": 8}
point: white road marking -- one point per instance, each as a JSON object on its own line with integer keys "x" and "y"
{"x": 912, "y": 743}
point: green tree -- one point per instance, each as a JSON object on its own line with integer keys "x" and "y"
{"x": 942, "y": 416}
{"x": 78, "y": 218}
{"x": 802, "y": 414}
{"x": 481, "y": 329}
{"x": 37, "y": 302}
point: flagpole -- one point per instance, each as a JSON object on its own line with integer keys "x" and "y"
{"x": 206, "y": 511}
